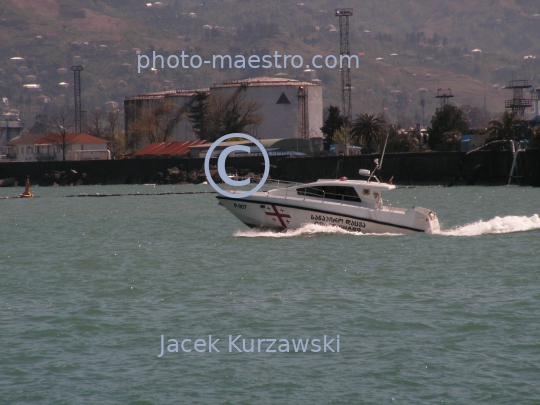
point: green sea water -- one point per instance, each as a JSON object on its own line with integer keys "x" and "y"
{"x": 89, "y": 285}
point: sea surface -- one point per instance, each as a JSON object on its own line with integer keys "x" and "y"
{"x": 90, "y": 284}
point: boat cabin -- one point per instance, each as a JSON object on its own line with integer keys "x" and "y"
{"x": 364, "y": 193}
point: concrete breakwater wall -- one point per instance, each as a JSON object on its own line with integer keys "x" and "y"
{"x": 447, "y": 168}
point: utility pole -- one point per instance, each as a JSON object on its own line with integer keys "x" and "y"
{"x": 444, "y": 95}
{"x": 519, "y": 103}
{"x": 344, "y": 49}
{"x": 303, "y": 112}
{"x": 485, "y": 109}
{"x": 422, "y": 93}
{"x": 77, "y": 93}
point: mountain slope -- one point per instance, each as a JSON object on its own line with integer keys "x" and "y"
{"x": 433, "y": 42}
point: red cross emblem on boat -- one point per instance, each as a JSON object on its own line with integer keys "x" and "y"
{"x": 279, "y": 215}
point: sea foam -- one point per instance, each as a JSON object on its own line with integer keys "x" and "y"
{"x": 496, "y": 225}
{"x": 307, "y": 230}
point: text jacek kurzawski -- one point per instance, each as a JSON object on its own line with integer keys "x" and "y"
{"x": 238, "y": 344}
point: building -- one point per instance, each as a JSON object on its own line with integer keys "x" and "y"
{"x": 291, "y": 108}
{"x": 43, "y": 147}
{"x": 167, "y": 149}
{"x": 10, "y": 126}
{"x": 201, "y": 149}
{"x": 274, "y": 147}
{"x": 340, "y": 149}
{"x": 471, "y": 142}
{"x": 311, "y": 146}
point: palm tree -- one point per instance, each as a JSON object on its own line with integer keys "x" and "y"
{"x": 503, "y": 129}
{"x": 368, "y": 129}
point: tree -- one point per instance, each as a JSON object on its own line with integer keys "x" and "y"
{"x": 238, "y": 113}
{"x": 112, "y": 118}
{"x": 474, "y": 115}
{"x": 332, "y": 123}
{"x": 344, "y": 136}
{"x": 156, "y": 122}
{"x": 368, "y": 131}
{"x": 446, "y": 124}
{"x": 536, "y": 132}
{"x": 41, "y": 126}
{"x": 400, "y": 141}
{"x": 94, "y": 125}
{"x": 113, "y": 134}
{"x": 59, "y": 125}
{"x": 198, "y": 113}
{"x": 221, "y": 114}
{"x": 503, "y": 129}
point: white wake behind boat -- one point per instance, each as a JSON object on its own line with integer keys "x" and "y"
{"x": 353, "y": 205}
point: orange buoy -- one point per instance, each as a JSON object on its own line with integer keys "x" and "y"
{"x": 27, "y": 193}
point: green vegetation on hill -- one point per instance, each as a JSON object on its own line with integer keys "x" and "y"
{"x": 433, "y": 42}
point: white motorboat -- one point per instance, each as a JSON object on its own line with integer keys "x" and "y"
{"x": 353, "y": 205}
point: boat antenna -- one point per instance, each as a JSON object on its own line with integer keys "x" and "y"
{"x": 384, "y": 150}
{"x": 378, "y": 165}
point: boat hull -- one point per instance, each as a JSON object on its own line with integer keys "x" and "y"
{"x": 282, "y": 215}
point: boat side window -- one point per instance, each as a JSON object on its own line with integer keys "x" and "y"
{"x": 341, "y": 193}
{"x": 311, "y": 191}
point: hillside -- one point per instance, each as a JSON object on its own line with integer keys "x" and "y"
{"x": 433, "y": 42}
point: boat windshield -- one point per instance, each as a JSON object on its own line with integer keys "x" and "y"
{"x": 341, "y": 193}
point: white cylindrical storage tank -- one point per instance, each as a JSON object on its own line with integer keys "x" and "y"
{"x": 290, "y": 108}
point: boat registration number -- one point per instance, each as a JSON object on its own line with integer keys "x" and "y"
{"x": 240, "y": 206}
